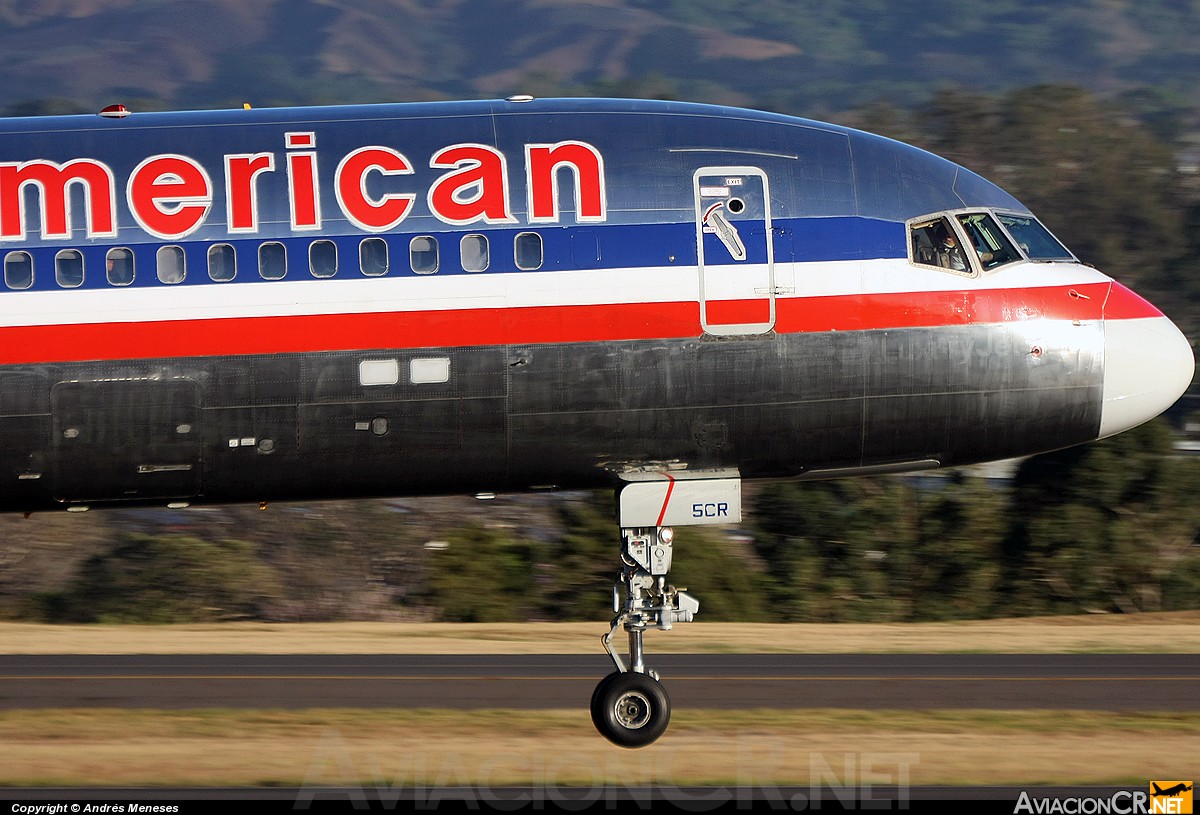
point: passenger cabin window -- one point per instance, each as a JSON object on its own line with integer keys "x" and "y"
{"x": 373, "y": 257}
{"x": 322, "y": 259}
{"x": 989, "y": 241}
{"x": 1034, "y": 239}
{"x": 172, "y": 265}
{"x": 474, "y": 250}
{"x": 18, "y": 270}
{"x": 936, "y": 243}
{"x": 222, "y": 262}
{"x": 68, "y": 268}
{"x": 118, "y": 266}
{"x": 423, "y": 254}
{"x": 527, "y": 251}
{"x": 272, "y": 261}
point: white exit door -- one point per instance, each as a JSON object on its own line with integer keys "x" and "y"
{"x": 735, "y": 250}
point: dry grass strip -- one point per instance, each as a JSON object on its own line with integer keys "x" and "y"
{"x": 1177, "y": 632}
{"x": 419, "y": 750}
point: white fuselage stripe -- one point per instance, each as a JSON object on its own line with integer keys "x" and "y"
{"x": 509, "y": 290}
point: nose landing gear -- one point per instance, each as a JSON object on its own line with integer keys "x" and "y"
{"x": 630, "y": 707}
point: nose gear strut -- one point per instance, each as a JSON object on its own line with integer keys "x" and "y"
{"x": 630, "y": 707}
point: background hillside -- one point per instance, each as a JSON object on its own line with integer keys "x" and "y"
{"x": 804, "y": 56}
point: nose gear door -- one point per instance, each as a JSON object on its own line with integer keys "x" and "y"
{"x": 734, "y": 250}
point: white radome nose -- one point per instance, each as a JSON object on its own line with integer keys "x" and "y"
{"x": 1148, "y": 364}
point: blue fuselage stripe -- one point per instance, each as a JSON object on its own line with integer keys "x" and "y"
{"x": 624, "y": 246}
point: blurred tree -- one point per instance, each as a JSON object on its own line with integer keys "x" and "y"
{"x": 584, "y": 561}
{"x": 1176, "y": 286}
{"x": 483, "y": 576}
{"x": 342, "y": 561}
{"x": 830, "y": 546}
{"x": 1168, "y": 113}
{"x": 954, "y": 564}
{"x": 728, "y": 582}
{"x": 169, "y": 579}
{"x": 1109, "y": 526}
{"x": 880, "y": 548}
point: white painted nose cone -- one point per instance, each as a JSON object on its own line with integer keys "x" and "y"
{"x": 1148, "y": 364}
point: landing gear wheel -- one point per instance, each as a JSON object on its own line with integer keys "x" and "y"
{"x": 630, "y": 709}
{"x": 598, "y": 700}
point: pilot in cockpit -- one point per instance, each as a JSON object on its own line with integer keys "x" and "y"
{"x": 949, "y": 253}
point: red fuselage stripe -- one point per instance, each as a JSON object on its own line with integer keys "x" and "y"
{"x": 1123, "y": 304}
{"x": 549, "y": 324}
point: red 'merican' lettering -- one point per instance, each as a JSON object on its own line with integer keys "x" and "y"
{"x": 170, "y": 196}
{"x": 350, "y": 183}
{"x": 542, "y": 163}
{"x": 241, "y": 192}
{"x": 302, "y": 182}
{"x": 477, "y": 190}
{"x": 51, "y": 181}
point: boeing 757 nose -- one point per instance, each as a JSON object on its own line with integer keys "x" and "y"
{"x": 1148, "y": 363}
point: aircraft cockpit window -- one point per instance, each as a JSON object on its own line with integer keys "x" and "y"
{"x": 272, "y": 261}
{"x": 935, "y": 243}
{"x": 68, "y": 268}
{"x": 373, "y": 257}
{"x": 118, "y": 264}
{"x": 423, "y": 254}
{"x": 18, "y": 270}
{"x": 1033, "y": 238}
{"x": 322, "y": 259}
{"x": 222, "y": 262}
{"x": 991, "y": 245}
{"x": 474, "y": 250}
{"x": 172, "y": 264}
{"x": 527, "y": 251}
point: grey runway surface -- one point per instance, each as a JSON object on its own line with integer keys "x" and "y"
{"x": 1004, "y": 682}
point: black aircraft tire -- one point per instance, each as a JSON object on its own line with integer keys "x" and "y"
{"x": 631, "y": 709}
{"x": 597, "y": 696}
